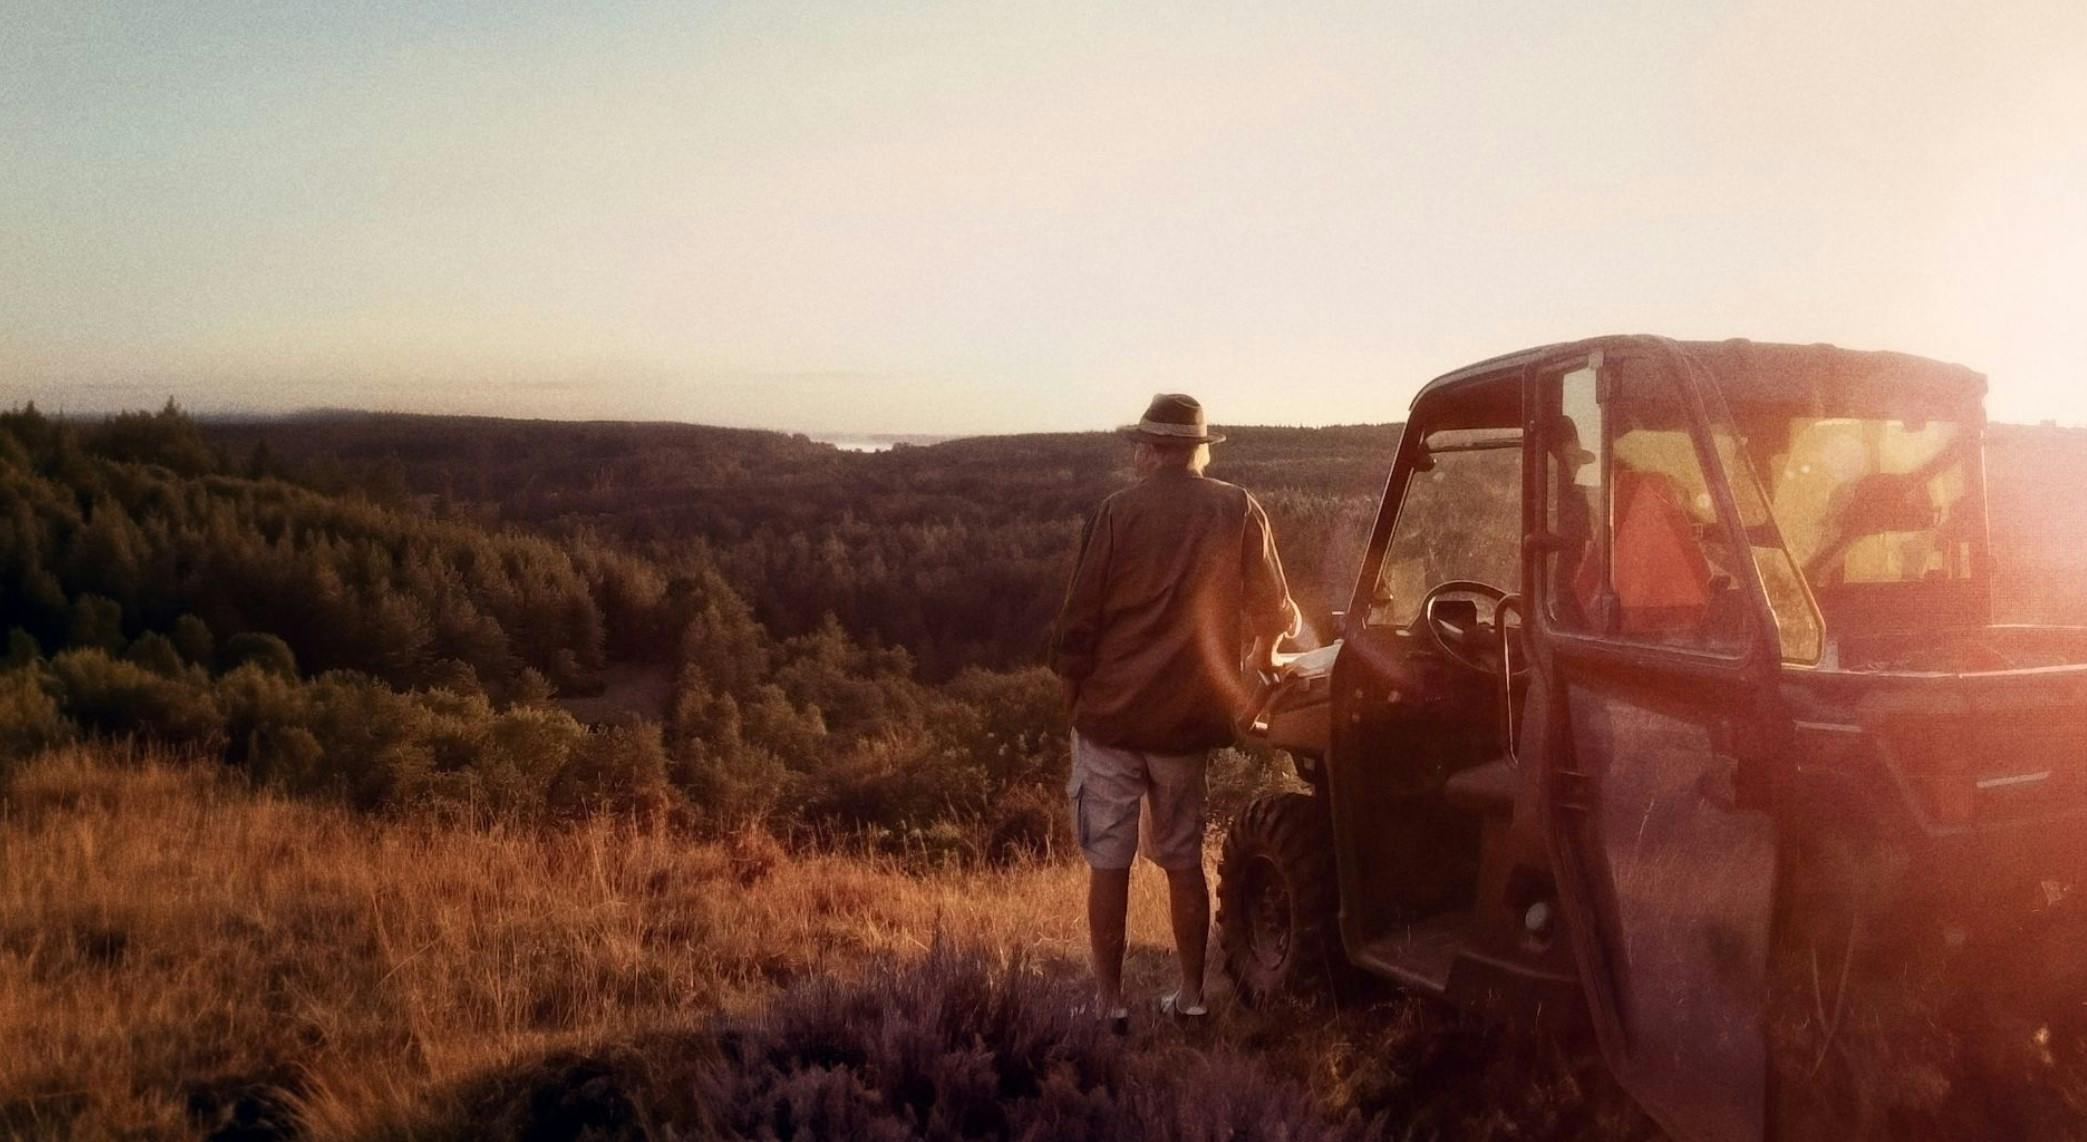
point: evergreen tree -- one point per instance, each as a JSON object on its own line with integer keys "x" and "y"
{"x": 193, "y": 640}
{"x": 96, "y": 622}
{"x": 22, "y": 650}
{"x": 265, "y": 651}
{"x": 155, "y": 652}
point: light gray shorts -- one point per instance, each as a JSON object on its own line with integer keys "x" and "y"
{"x": 1108, "y": 788}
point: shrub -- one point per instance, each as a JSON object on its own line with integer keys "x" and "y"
{"x": 956, "y": 1044}
{"x": 110, "y": 696}
{"x": 795, "y": 735}
{"x": 22, "y": 650}
{"x": 453, "y": 727}
{"x": 96, "y": 622}
{"x": 531, "y": 688}
{"x": 525, "y": 749}
{"x": 155, "y": 652}
{"x": 455, "y": 676}
{"x": 729, "y": 790}
{"x": 1012, "y": 725}
{"x": 193, "y": 639}
{"x": 620, "y": 770}
{"x": 902, "y": 780}
{"x": 374, "y": 738}
{"x": 399, "y": 773}
{"x": 29, "y": 716}
{"x": 264, "y": 650}
{"x": 1027, "y": 823}
{"x": 251, "y": 699}
{"x": 286, "y": 756}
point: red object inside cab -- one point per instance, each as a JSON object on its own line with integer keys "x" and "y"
{"x": 1661, "y": 576}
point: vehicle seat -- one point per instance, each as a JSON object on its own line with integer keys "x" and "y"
{"x": 1485, "y": 788}
{"x": 1661, "y": 574}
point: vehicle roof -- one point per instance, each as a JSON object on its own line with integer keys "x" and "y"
{"x": 1755, "y": 370}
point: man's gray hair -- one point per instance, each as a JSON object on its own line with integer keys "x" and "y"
{"x": 1195, "y": 457}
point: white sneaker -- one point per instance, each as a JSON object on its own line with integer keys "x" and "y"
{"x": 1170, "y": 1005}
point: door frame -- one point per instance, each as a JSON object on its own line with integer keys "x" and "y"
{"x": 1750, "y": 680}
{"x": 1360, "y": 640}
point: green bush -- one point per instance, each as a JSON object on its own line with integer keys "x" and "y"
{"x": 621, "y": 770}
{"x": 30, "y": 719}
{"x": 731, "y": 791}
{"x": 374, "y": 738}
{"x": 193, "y": 639}
{"x": 905, "y": 780}
{"x": 253, "y": 702}
{"x": 155, "y": 652}
{"x": 264, "y": 650}
{"x": 1011, "y": 725}
{"x": 287, "y": 757}
{"x": 349, "y": 735}
{"x": 400, "y": 773}
{"x": 96, "y": 622}
{"x": 455, "y": 676}
{"x": 525, "y": 749}
{"x": 109, "y": 696}
{"x": 1027, "y": 823}
{"x": 22, "y": 650}
{"x": 531, "y": 688}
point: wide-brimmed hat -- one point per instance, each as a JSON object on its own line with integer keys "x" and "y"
{"x": 1565, "y": 442}
{"x": 1172, "y": 418}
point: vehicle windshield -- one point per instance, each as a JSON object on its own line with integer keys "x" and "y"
{"x": 1867, "y": 500}
{"x": 1862, "y": 500}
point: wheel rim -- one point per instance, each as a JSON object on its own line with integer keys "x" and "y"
{"x": 1268, "y": 915}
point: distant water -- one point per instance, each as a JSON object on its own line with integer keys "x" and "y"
{"x": 855, "y": 443}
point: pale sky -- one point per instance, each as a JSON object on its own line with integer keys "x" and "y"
{"x": 983, "y": 217}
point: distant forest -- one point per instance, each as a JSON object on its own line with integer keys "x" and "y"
{"x": 351, "y": 644}
{"x": 542, "y": 619}
{"x": 957, "y": 552}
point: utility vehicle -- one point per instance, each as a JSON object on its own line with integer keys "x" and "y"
{"x": 1654, "y": 643}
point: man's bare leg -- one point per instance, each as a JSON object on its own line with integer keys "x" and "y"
{"x": 1188, "y": 901}
{"x": 1108, "y": 907}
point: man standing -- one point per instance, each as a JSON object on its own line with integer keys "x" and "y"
{"x": 1176, "y": 573}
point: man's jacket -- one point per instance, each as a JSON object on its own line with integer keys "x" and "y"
{"x": 1176, "y": 574}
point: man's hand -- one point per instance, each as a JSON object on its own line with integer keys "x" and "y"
{"x": 1262, "y": 659}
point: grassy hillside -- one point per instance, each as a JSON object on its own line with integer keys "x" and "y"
{"x": 180, "y": 954}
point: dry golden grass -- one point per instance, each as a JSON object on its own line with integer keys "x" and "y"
{"x": 177, "y": 950}
{"x": 174, "y": 945}
{"x": 162, "y": 925}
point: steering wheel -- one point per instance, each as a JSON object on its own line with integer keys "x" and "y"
{"x": 1471, "y": 648}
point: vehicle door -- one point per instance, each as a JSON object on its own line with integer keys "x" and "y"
{"x": 1404, "y": 713}
{"x": 1647, "y": 649}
